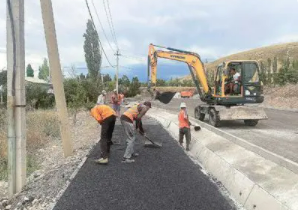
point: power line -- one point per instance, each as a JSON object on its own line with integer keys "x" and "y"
{"x": 110, "y": 22}
{"x": 134, "y": 58}
{"x": 97, "y": 32}
{"x": 101, "y": 25}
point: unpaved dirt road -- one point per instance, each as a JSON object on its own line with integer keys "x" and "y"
{"x": 161, "y": 178}
{"x": 278, "y": 134}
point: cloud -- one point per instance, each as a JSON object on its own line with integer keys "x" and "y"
{"x": 211, "y": 28}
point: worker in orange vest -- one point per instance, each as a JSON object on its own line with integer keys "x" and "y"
{"x": 184, "y": 126}
{"x": 135, "y": 113}
{"x": 106, "y": 117}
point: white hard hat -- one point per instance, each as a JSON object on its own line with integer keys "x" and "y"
{"x": 183, "y": 105}
{"x": 114, "y": 90}
{"x": 103, "y": 91}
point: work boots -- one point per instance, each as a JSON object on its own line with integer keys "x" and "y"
{"x": 187, "y": 147}
{"x": 102, "y": 161}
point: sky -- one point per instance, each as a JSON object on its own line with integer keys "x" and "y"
{"x": 213, "y": 29}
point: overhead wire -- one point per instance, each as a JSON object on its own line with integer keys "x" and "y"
{"x": 101, "y": 25}
{"x": 110, "y": 22}
{"x": 97, "y": 33}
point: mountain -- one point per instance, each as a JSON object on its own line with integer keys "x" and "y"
{"x": 262, "y": 54}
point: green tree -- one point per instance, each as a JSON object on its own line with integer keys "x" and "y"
{"x": 75, "y": 96}
{"x": 124, "y": 81}
{"x": 29, "y": 71}
{"x": 44, "y": 70}
{"x": 37, "y": 96}
{"x": 81, "y": 77}
{"x": 134, "y": 87}
{"x": 161, "y": 82}
{"x": 107, "y": 78}
{"x": 288, "y": 73}
{"x": 3, "y": 78}
{"x": 92, "y": 51}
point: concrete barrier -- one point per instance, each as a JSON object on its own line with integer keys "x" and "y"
{"x": 252, "y": 180}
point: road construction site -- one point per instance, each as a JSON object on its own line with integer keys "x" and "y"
{"x": 161, "y": 178}
{"x": 217, "y": 173}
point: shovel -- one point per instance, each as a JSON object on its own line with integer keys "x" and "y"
{"x": 154, "y": 144}
{"x": 196, "y": 127}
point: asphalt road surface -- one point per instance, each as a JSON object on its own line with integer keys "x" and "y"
{"x": 160, "y": 179}
{"x": 278, "y": 134}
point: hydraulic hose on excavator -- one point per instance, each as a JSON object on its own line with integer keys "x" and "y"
{"x": 191, "y": 59}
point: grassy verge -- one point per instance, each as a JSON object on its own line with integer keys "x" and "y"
{"x": 42, "y": 126}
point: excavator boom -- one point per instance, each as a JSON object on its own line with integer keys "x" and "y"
{"x": 193, "y": 61}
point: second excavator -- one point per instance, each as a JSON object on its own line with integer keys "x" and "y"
{"x": 236, "y": 85}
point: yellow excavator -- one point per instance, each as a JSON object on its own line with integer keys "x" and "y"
{"x": 226, "y": 101}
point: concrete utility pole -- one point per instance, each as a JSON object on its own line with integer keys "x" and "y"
{"x": 16, "y": 101}
{"x": 117, "y": 66}
{"x": 56, "y": 74}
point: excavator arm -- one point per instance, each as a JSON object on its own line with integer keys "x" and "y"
{"x": 193, "y": 61}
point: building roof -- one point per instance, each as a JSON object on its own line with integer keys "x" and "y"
{"x": 36, "y": 80}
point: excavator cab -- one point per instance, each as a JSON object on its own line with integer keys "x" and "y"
{"x": 237, "y": 82}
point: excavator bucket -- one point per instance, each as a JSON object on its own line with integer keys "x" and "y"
{"x": 165, "y": 97}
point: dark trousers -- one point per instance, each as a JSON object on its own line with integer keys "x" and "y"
{"x": 106, "y": 135}
{"x": 185, "y": 132}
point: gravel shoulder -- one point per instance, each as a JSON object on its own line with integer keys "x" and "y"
{"x": 54, "y": 170}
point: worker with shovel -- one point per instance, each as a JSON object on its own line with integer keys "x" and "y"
{"x": 135, "y": 113}
{"x": 184, "y": 126}
{"x": 106, "y": 117}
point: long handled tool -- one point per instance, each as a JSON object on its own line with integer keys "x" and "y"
{"x": 154, "y": 144}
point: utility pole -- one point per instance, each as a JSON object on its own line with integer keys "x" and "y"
{"x": 16, "y": 102}
{"x": 1, "y": 91}
{"x": 56, "y": 74}
{"x": 117, "y": 66}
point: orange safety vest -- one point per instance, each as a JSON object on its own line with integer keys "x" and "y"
{"x": 183, "y": 123}
{"x": 132, "y": 112}
{"x": 101, "y": 112}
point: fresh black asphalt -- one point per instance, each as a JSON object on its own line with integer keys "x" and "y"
{"x": 160, "y": 179}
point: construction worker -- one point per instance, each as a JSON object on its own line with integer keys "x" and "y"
{"x": 102, "y": 98}
{"x": 106, "y": 117}
{"x": 122, "y": 97}
{"x": 184, "y": 126}
{"x": 116, "y": 100}
{"x": 135, "y": 113}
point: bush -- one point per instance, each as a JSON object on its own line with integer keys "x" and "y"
{"x": 41, "y": 126}
{"x": 288, "y": 73}
{"x": 37, "y": 96}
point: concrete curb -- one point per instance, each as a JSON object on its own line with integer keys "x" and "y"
{"x": 289, "y": 164}
{"x": 243, "y": 189}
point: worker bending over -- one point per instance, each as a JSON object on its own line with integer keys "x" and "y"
{"x": 106, "y": 116}
{"x": 184, "y": 126}
{"x": 135, "y": 113}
